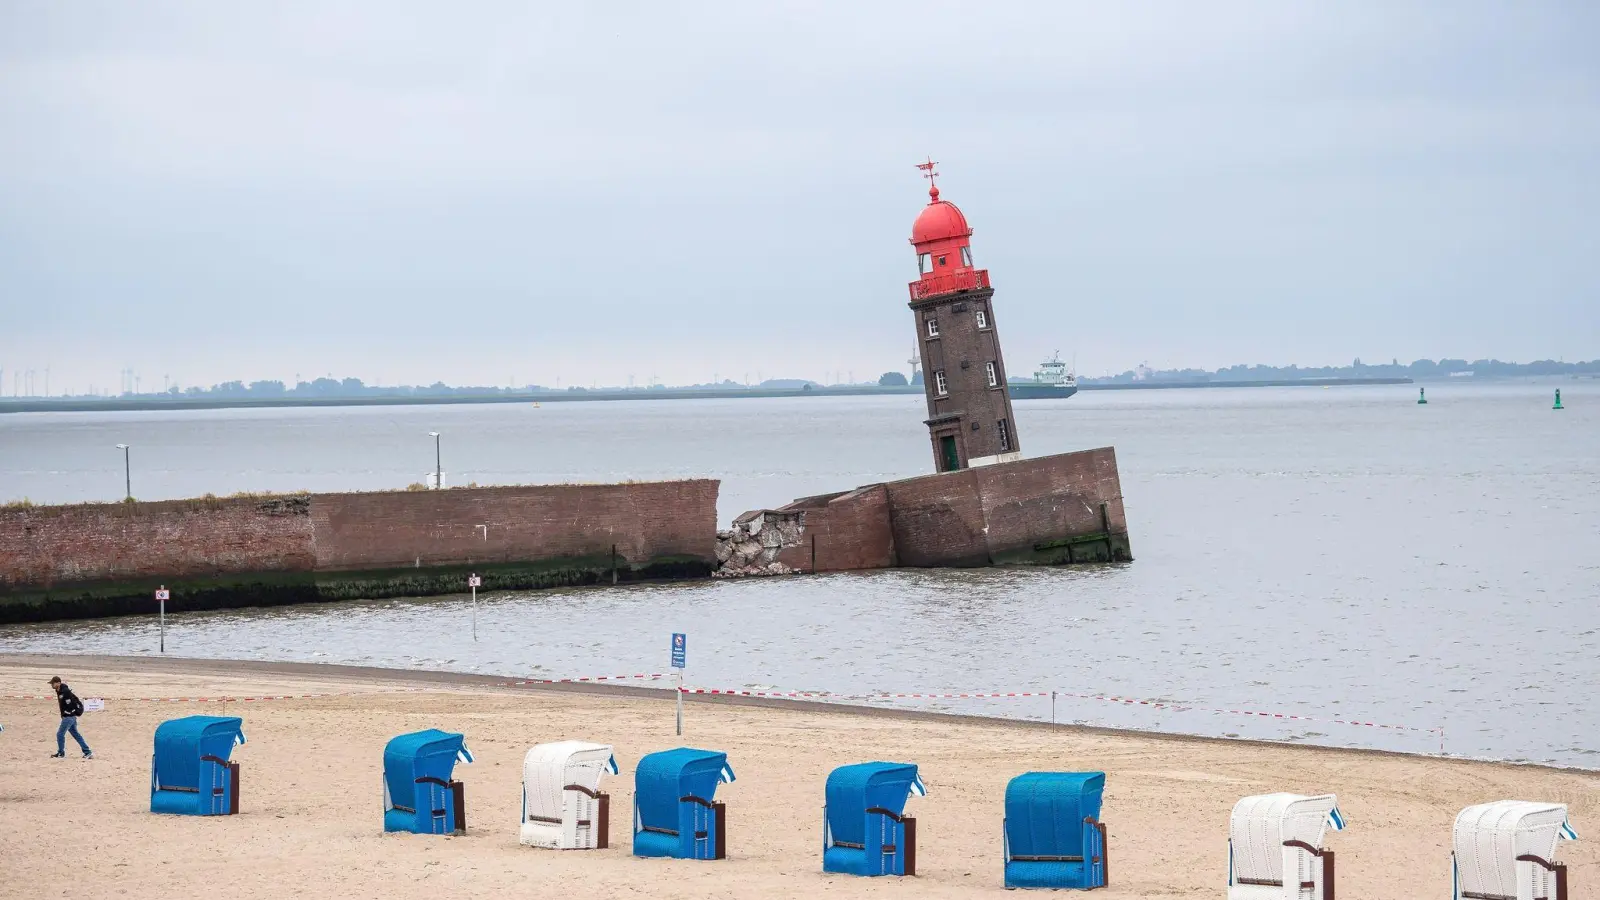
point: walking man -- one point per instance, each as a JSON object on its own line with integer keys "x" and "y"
{"x": 71, "y": 709}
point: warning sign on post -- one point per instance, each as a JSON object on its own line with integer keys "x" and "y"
{"x": 474, "y": 581}
{"x": 163, "y": 594}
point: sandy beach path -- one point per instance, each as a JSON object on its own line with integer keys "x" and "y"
{"x": 310, "y": 822}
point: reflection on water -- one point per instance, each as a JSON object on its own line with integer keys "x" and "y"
{"x": 1336, "y": 554}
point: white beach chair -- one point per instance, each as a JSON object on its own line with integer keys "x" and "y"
{"x": 1275, "y": 847}
{"x": 562, "y": 806}
{"x": 1506, "y": 851}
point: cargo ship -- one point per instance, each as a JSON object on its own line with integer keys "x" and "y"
{"x": 1051, "y": 381}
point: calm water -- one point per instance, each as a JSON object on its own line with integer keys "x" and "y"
{"x": 1335, "y": 553}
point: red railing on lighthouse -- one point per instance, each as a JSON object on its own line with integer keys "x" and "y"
{"x": 967, "y": 280}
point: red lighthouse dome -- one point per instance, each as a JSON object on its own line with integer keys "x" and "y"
{"x": 940, "y": 220}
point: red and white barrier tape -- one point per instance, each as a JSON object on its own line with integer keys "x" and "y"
{"x": 193, "y": 699}
{"x": 967, "y": 696}
{"x": 586, "y": 679}
{"x": 812, "y": 695}
{"x": 828, "y": 695}
{"x": 1242, "y": 712}
{"x": 1126, "y": 701}
{"x": 732, "y": 692}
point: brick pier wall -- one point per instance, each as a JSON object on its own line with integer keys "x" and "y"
{"x": 1012, "y": 512}
{"x": 43, "y": 546}
{"x": 104, "y": 559}
{"x": 436, "y": 528}
{"x": 1057, "y": 509}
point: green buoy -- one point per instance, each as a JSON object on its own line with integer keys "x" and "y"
{"x": 1422, "y": 396}
{"x": 1558, "y": 399}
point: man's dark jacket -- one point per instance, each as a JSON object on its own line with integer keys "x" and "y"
{"x": 68, "y": 701}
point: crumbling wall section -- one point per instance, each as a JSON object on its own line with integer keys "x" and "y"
{"x": 755, "y": 542}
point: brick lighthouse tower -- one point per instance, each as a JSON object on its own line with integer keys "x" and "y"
{"x": 969, "y": 406}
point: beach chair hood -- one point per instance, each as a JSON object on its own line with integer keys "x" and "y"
{"x": 852, "y": 790}
{"x": 180, "y": 743}
{"x": 422, "y": 754}
{"x": 1045, "y": 811}
{"x": 662, "y": 778}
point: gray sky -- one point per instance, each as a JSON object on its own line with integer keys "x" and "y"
{"x": 404, "y": 193}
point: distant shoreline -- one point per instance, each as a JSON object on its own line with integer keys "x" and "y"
{"x": 1265, "y": 382}
{"x": 153, "y": 402}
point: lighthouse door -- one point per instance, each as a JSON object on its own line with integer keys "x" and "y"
{"x": 949, "y": 460}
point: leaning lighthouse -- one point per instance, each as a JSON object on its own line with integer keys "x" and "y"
{"x": 969, "y": 407}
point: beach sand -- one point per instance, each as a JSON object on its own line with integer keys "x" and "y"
{"x": 310, "y": 823}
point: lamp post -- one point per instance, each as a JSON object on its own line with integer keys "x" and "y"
{"x": 438, "y": 464}
{"x": 127, "y": 473}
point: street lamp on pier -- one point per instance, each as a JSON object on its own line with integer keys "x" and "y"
{"x": 127, "y": 473}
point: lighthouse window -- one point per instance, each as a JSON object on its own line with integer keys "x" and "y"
{"x": 1005, "y": 434}
{"x": 989, "y": 369}
{"x": 941, "y": 260}
{"x": 939, "y": 384}
{"x": 983, "y": 319}
{"x": 924, "y": 263}
{"x": 966, "y": 256}
{"x": 933, "y": 327}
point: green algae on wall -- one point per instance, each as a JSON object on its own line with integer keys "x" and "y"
{"x": 137, "y": 597}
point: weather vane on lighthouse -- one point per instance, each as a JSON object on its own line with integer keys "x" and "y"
{"x": 930, "y": 174}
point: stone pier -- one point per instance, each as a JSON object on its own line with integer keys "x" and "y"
{"x": 1053, "y": 510}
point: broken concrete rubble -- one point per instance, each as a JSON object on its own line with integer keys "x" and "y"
{"x": 752, "y": 546}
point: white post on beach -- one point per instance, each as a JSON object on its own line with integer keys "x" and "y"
{"x": 680, "y": 657}
{"x": 473, "y": 581}
{"x": 161, "y": 597}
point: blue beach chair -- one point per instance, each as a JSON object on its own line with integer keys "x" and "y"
{"x": 419, "y": 795}
{"x": 863, "y": 829}
{"x": 190, "y": 774}
{"x": 675, "y": 813}
{"x": 1053, "y": 834}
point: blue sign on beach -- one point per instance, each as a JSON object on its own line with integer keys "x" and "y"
{"x": 680, "y": 649}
